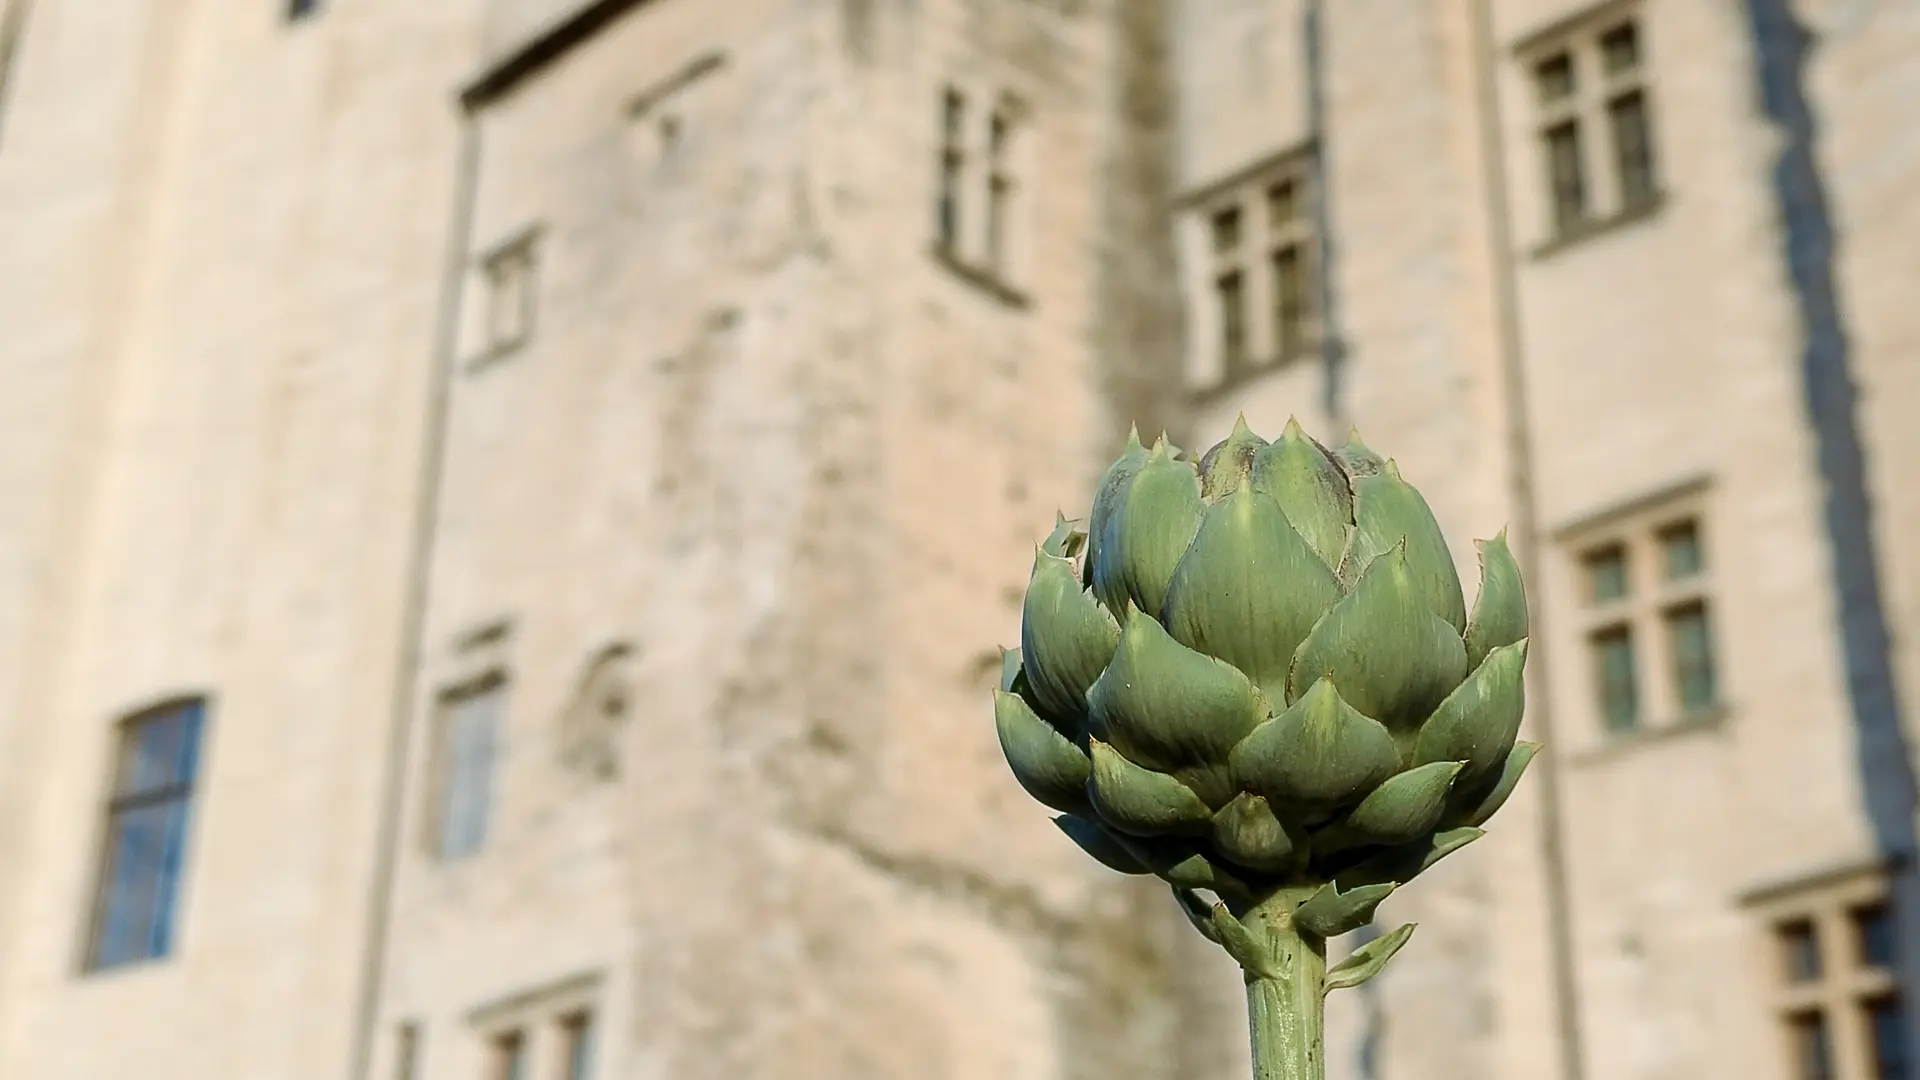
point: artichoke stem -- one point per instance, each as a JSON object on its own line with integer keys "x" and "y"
{"x": 1286, "y": 1012}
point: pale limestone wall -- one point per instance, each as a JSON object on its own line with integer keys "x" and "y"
{"x": 764, "y": 435}
{"x": 761, "y": 434}
{"x": 1420, "y": 379}
{"x": 229, "y": 239}
{"x": 1664, "y": 350}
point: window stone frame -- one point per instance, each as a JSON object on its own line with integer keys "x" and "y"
{"x": 1637, "y": 526}
{"x": 1579, "y": 37}
{"x": 1209, "y": 372}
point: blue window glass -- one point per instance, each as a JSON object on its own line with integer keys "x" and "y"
{"x": 1888, "y": 1023}
{"x": 146, "y": 838}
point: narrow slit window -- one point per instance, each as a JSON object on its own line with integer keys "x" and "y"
{"x": 953, "y": 110}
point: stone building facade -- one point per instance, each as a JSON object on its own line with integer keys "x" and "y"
{"x": 511, "y": 505}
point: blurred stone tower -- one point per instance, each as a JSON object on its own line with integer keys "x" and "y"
{"x": 510, "y": 505}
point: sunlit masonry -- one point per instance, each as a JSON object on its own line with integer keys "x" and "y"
{"x": 532, "y": 492}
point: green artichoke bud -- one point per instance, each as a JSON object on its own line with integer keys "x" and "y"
{"x": 1257, "y": 674}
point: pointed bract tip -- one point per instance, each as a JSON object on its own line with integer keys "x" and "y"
{"x": 1133, "y": 437}
{"x": 1240, "y": 425}
{"x": 1293, "y": 430}
{"x": 1392, "y": 468}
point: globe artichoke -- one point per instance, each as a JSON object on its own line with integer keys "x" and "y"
{"x": 1255, "y": 675}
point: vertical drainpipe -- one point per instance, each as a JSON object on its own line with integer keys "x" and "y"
{"x": 1333, "y": 344}
{"x": 417, "y": 583}
{"x": 1525, "y": 533}
{"x": 1781, "y": 48}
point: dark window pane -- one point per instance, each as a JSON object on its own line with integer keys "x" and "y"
{"x": 578, "y": 1032}
{"x": 1812, "y": 1052}
{"x": 1289, "y": 301}
{"x": 1680, "y": 547}
{"x": 1888, "y": 1024}
{"x": 1606, "y": 574}
{"x": 1691, "y": 641}
{"x": 1620, "y": 48}
{"x": 1566, "y": 175}
{"x": 999, "y": 196}
{"x": 1233, "y": 320}
{"x": 1618, "y": 683}
{"x": 406, "y": 1052}
{"x": 1553, "y": 77}
{"x": 953, "y": 112}
{"x": 1799, "y": 950}
{"x": 1873, "y": 934}
{"x": 1283, "y": 204}
{"x": 510, "y": 1057}
{"x": 1632, "y": 146}
{"x": 1226, "y": 229}
{"x": 947, "y": 212}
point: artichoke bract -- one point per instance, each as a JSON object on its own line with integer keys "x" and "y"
{"x": 1256, "y": 675}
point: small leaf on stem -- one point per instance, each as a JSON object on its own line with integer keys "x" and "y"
{"x": 1367, "y": 960}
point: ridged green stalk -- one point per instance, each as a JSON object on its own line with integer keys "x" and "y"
{"x": 1286, "y": 1012}
{"x": 1255, "y": 676}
